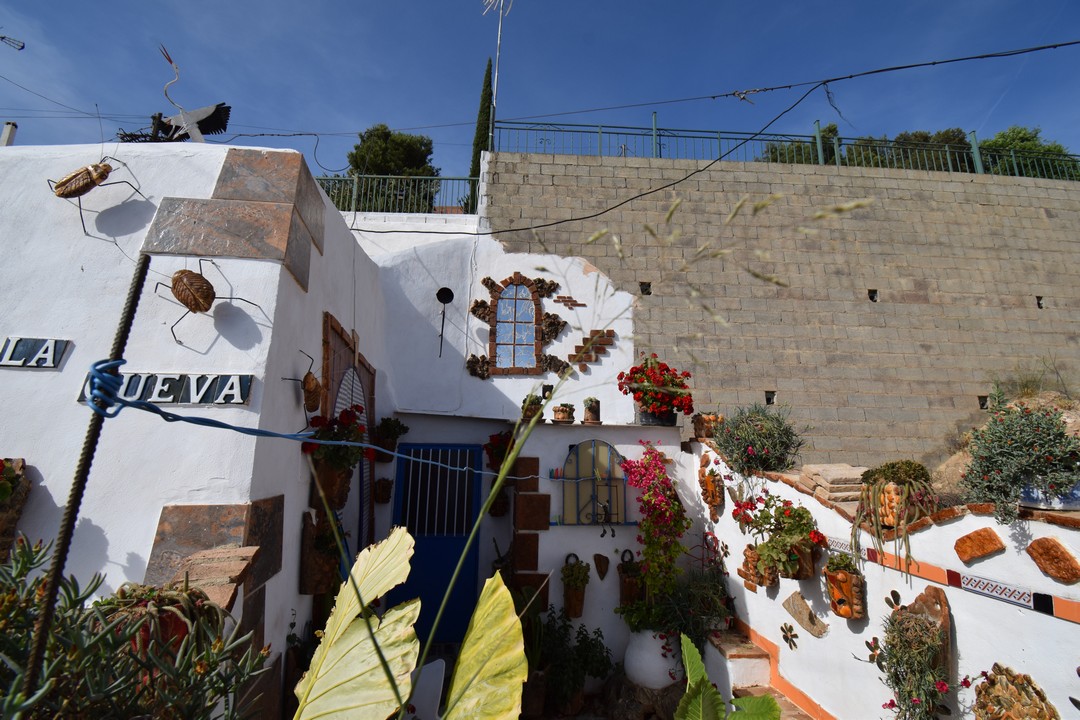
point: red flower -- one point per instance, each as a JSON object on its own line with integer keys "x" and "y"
{"x": 369, "y": 454}
{"x": 308, "y": 447}
{"x": 891, "y": 705}
{"x": 942, "y": 686}
{"x": 317, "y": 422}
{"x": 966, "y": 682}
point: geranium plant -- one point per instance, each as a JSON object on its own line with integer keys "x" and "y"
{"x": 496, "y": 448}
{"x": 663, "y": 520}
{"x": 781, "y": 529}
{"x": 346, "y": 427}
{"x": 657, "y": 387}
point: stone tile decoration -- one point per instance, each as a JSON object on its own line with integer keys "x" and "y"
{"x": 218, "y": 572}
{"x": 808, "y": 620}
{"x": 993, "y": 589}
{"x": 266, "y": 205}
{"x": 1008, "y": 695}
{"x": 1054, "y": 559}
{"x": 977, "y": 545}
{"x": 569, "y": 301}
{"x": 184, "y": 530}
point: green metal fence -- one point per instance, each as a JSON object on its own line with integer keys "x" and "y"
{"x": 620, "y": 141}
{"x": 400, "y": 194}
{"x": 454, "y": 195}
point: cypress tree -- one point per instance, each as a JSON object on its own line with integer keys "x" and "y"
{"x": 480, "y": 138}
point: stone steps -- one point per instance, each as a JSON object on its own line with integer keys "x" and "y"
{"x": 788, "y": 710}
{"x": 740, "y": 668}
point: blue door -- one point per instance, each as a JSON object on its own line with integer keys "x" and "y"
{"x": 437, "y": 499}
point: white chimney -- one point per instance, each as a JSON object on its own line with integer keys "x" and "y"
{"x": 7, "y": 137}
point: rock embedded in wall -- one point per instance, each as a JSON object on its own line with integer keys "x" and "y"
{"x": 1008, "y": 695}
{"x": 1054, "y": 559}
{"x": 977, "y": 545}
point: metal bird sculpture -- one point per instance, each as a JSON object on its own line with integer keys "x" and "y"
{"x": 211, "y": 120}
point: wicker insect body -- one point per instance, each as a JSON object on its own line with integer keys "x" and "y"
{"x": 192, "y": 290}
{"x": 78, "y": 183}
{"x": 311, "y": 386}
{"x": 82, "y": 181}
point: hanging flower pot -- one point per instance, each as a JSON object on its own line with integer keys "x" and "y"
{"x": 383, "y": 490}
{"x": 846, "y": 593}
{"x": 501, "y": 505}
{"x": 575, "y": 576}
{"x": 751, "y": 572}
{"x": 385, "y": 437}
{"x": 14, "y": 491}
{"x": 629, "y": 579}
{"x": 334, "y": 483}
{"x": 804, "y": 555}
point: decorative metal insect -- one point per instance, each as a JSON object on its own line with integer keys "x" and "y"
{"x": 192, "y": 290}
{"x": 312, "y": 388}
{"x": 78, "y": 183}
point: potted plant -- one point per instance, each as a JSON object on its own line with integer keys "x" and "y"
{"x": 758, "y": 439}
{"x": 846, "y": 586}
{"x": 531, "y": 406}
{"x": 570, "y": 656}
{"x": 893, "y": 496}
{"x": 563, "y": 412}
{"x": 652, "y": 656}
{"x": 659, "y": 390}
{"x": 909, "y": 655}
{"x": 496, "y": 448}
{"x": 705, "y": 425}
{"x": 527, "y": 605}
{"x": 1023, "y": 448}
{"x": 334, "y": 463}
{"x": 629, "y": 571}
{"x": 385, "y": 436}
{"x": 592, "y": 411}
{"x": 575, "y": 576}
{"x": 383, "y": 490}
{"x": 14, "y": 490}
{"x": 786, "y": 534}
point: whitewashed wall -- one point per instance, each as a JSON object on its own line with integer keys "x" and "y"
{"x": 984, "y": 630}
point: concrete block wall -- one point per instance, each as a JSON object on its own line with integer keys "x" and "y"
{"x": 960, "y": 264}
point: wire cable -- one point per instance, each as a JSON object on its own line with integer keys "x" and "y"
{"x": 107, "y": 402}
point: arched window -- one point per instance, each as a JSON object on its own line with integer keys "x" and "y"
{"x": 515, "y": 336}
{"x": 594, "y": 489}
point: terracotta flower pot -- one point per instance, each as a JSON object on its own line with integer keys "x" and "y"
{"x": 385, "y": 449}
{"x": 573, "y": 601}
{"x": 846, "y": 594}
{"x": 529, "y": 411}
{"x": 749, "y": 569}
{"x": 501, "y": 505}
{"x": 383, "y": 490}
{"x": 805, "y": 570}
{"x": 592, "y": 414}
{"x": 334, "y": 483}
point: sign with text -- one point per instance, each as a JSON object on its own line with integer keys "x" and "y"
{"x": 37, "y": 353}
{"x": 177, "y": 389}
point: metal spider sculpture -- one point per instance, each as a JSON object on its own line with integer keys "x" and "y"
{"x": 192, "y": 290}
{"x": 311, "y": 386}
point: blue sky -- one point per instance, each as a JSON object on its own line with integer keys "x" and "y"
{"x": 336, "y": 68}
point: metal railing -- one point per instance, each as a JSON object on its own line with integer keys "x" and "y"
{"x": 400, "y": 194}
{"x": 458, "y": 195}
{"x": 620, "y": 141}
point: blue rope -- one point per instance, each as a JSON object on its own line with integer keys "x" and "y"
{"x": 106, "y": 400}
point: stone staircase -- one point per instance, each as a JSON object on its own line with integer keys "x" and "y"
{"x": 739, "y": 668}
{"x": 838, "y": 484}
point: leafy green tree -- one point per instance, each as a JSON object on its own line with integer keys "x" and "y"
{"x": 480, "y": 141}
{"x": 803, "y": 153}
{"x": 947, "y": 149}
{"x": 406, "y": 161}
{"x": 1021, "y": 151}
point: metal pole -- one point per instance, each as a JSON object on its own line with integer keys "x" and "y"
{"x": 975, "y": 154}
{"x": 655, "y": 140}
{"x": 78, "y": 488}
{"x": 495, "y": 83}
{"x": 817, "y": 138}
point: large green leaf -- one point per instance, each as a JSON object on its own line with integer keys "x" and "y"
{"x": 491, "y": 667}
{"x": 346, "y": 678}
{"x": 702, "y": 701}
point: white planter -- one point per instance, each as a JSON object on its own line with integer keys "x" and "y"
{"x": 652, "y": 662}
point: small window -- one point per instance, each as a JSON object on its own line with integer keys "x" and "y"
{"x": 872, "y": 295}
{"x": 515, "y": 327}
{"x": 594, "y": 487}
